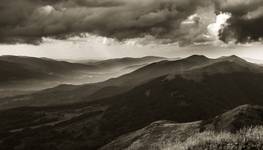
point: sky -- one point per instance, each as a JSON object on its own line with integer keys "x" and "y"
{"x": 99, "y": 29}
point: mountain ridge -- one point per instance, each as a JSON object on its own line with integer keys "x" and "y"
{"x": 187, "y": 67}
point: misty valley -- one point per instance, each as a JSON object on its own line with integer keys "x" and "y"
{"x": 19, "y": 75}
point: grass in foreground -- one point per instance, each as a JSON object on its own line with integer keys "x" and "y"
{"x": 245, "y": 139}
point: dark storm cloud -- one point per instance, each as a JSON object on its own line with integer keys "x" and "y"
{"x": 30, "y": 20}
{"x": 246, "y": 23}
{"x": 96, "y": 3}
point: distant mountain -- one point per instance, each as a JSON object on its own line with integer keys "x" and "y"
{"x": 191, "y": 68}
{"x": 64, "y": 93}
{"x": 21, "y": 71}
{"x": 45, "y": 65}
{"x": 158, "y": 69}
{"x": 117, "y": 63}
{"x": 164, "y": 134}
{"x": 126, "y": 65}
{"x": 121, "y": 66}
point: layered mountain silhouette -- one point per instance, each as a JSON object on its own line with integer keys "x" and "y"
{"x": 124, "y": 63}
{"x": 21, "y": 68}
{"x": 190, "y": 70}
{"x": 20, "y": 74}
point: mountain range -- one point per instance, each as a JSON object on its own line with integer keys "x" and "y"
{"x": 191, "y": 68}
{"x": 91, "y": 115}
{"x": 20, "y": 74}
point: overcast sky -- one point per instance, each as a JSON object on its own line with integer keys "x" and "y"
{"x": 95, "y": 29}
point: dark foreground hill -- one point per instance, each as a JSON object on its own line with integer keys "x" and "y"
{"x": 170, "y": 135}
{"x": 78, "y": 128}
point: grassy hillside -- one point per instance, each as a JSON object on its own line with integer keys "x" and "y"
{"x": 245, "y": 139}
{"x": 237, "y": 128}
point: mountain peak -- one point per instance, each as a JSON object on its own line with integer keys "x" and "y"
{"x": 153, "y": 57}
{"x": 197, "y": 57}
{"x": 233, "y": 58}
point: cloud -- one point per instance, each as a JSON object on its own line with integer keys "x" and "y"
{"x": 29, "y": 21}
{"x": 193, "y": 19}
{"x": 169, "y": 21}
{"x": 214, "y": 28}
{"x": 246, "y": 22}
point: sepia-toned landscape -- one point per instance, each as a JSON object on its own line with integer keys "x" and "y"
{"x": 131, "y": 75}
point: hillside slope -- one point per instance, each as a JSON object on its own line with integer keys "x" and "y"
{"x": 168, "y": 134}
{"x": 169, "y": 97}
{"x": 78, "y": 127}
